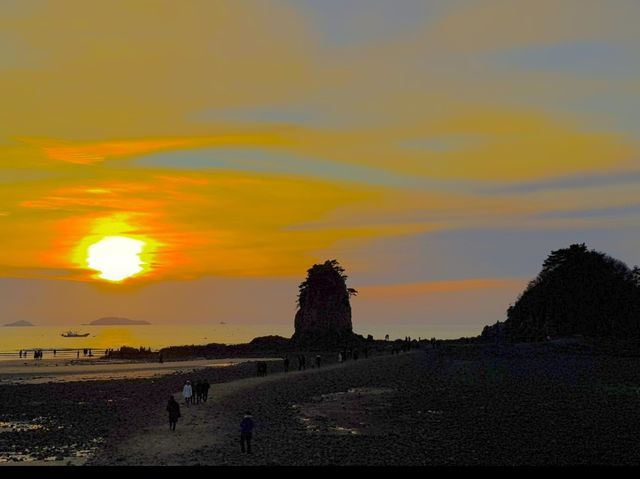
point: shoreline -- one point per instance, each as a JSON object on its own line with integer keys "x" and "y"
{"x": 56, "y": 371}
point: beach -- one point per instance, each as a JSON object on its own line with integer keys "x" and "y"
{"x": 462, "y": 404}
{"x": 51, "y": 370}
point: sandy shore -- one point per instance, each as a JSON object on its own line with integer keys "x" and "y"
{"x": 202, "y": 425}
{"x": 50, "y": 370}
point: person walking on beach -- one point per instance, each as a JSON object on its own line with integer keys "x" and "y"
{"x": 205, "y": 390}
{"x": 78, "y": 354}
{"x": 187, "y": 392}
{"x": 340, "y": 356}
{"x": 173, "y": 408}
{"x": 318, "y": 360}
{"x": 197, "y": 392}
{"x": 246, "y": 431}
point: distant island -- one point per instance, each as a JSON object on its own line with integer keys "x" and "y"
{"x": 114, "y": 321}
{"x": 19, "y": 323}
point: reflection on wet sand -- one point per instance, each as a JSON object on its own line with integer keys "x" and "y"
{"x": 19, "y": 372}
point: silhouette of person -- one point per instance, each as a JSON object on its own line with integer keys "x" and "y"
{"x": 78, "y": 354}
{"x": 318, "y": 360}
{"x": 187, "y": 392}
{"x": 173, "y": 408}
{"x": 286, "y": 364}
{"x": 303, "y": 362}
{"x": 160, "y": 358}
{"x": 195, "y": 399}
{"x": 20, "y": 354}
{"x": 340, "y": 357}
{"x": 355, "y": 354}
{"x": 199, "y": 391}
{"x": 246, "y": 432}
{"x": 205, "y": 390}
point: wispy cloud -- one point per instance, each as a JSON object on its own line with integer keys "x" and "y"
{"x": 247, "y": 157}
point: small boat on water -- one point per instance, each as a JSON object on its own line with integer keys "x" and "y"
{"x": 74, "y": 334}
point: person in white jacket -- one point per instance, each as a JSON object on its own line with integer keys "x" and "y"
{"x": 187, "y": 392}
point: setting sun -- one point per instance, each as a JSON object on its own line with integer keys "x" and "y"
{"x": 116, "y": 257}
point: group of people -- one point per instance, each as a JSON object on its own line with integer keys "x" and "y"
{"x": 351, "y": 354}
{"x": 197, "y": 392}
{"x": 302, "y": 362}
{"x": 37, "y": 354}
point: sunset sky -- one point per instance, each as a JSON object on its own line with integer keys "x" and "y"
{"x": 438, "y": 149}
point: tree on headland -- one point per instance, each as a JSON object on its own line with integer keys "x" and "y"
{"x": 324, "y": 308}
{"x": 578, "y": 292}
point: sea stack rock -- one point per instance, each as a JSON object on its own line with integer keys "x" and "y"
{"x": 324, "y": 314}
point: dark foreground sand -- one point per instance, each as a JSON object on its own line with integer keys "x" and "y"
{"x": 467, "y": 405}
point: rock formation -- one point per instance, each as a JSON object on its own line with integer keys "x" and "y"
{"x": 324, "y": 314}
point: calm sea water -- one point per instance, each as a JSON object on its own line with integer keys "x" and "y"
{"x": 153, "y": 336}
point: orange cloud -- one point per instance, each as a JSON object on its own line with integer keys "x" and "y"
{"x": 87, "y": 153}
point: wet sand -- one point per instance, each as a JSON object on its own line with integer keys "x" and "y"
{"x": 51, "y": 370}
{"x": 201, "y": 426}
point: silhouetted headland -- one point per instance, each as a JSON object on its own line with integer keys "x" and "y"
{"x": 578, "y": 292}
{"x": 19, "y": 324}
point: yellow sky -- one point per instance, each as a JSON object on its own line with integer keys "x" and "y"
{"x": 251, "y": 139}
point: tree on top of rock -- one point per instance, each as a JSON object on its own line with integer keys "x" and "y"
{"x": 323, "y": 300}
{"x": 325, "y": 278}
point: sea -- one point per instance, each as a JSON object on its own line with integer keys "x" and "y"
{"x": 49, "y": 338}
{"x": 14, "y": 339}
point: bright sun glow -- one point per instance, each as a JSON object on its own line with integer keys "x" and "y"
{"x": 116, "y": 257}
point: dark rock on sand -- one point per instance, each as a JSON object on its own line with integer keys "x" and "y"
{"x": 324, "y": 314}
